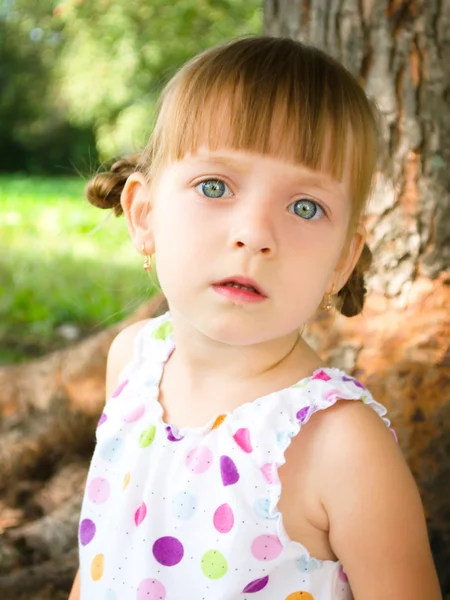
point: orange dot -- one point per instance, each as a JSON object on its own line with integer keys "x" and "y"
{"x": 97, "y": 567}
{"x": 218, "y": 422}
{"x": 126, "y": 480}
{"x": 300, "y": 596}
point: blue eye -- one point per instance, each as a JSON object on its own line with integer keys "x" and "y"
{"x": 214, "y": 188}
{"x": 307, "y": 209}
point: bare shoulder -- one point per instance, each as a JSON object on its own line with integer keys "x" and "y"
{"x": 121, "y": 353}
{"x": 376, "y": 519}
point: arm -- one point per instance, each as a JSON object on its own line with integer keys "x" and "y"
{"x": 120, "y": 353}
{"x": 376, "y": 520}
{"x": 75, "y": 592}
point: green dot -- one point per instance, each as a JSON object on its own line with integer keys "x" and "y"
{"x": 214, "y": 564}
{"x": 147, "y": 437}
{"x": 163, "y": 331}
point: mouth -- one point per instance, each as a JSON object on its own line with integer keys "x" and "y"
{"x": 241, "y": 283}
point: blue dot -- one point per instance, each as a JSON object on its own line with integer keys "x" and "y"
{"x": 112, "y": 449}
{"x": 184, "y": 506}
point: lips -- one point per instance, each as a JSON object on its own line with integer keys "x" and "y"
{"x": 242, "y": 281}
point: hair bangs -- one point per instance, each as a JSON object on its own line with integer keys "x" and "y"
{"x": 274, "y": 97}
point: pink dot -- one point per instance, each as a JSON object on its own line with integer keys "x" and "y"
{"x": 266, "y": 547}
{"x": 269, "y": 472}
{"x": 87, "y": 531}
{"x": 223, "y": 518}
{"x": 98, "y": 490}
{"x": 321, "y": 375}
{"x": 342, "y": 574}
{"x": 120, "y": 388}
{"x": 199, "y": 459}
{"x": 102, "y": 419}
{"x": 151, "y": 589}
{"x": 134, "y": 415}
{"x": 140, "y": 514}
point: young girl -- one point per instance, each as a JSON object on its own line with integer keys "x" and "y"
{"x": 230, "y": 462}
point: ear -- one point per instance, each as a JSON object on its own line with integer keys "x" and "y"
{"x": 137, "y": 209}
{"x": 349, "y": 258}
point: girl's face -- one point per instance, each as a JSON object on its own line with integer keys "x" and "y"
{"x": 217, "y": 216}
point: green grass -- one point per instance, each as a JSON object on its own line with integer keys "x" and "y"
{"x": 60, "y": 263}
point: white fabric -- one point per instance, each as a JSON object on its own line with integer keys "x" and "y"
{"x": 192, "y": 514}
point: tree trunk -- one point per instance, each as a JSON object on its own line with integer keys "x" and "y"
{"x": 400, "y": 52}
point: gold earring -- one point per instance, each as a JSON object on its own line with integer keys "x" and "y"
{"x": 326, "y": 302}
{"x": 147, "y": 260}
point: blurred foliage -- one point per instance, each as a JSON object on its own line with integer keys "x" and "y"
{"x": 78, "y": 77}
{"x": 87, "y": 277}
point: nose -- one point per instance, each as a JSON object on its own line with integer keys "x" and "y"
{"x": 254, "y": 230}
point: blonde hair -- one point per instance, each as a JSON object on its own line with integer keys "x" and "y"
{"x": 275, "y": 96}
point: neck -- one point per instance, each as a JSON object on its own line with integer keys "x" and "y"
{"x": 196, "y": 358}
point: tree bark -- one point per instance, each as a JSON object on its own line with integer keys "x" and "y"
{"x": 400, "y": 52}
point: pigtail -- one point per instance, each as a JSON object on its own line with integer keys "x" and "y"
{"x": 105, "y": 189}
{"x": 351, "y": 296}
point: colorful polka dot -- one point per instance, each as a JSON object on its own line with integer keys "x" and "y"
{"x": 214, "y": 564}
{"x": 87, "y": 531}
{"x": 163, "y": 331}
{"x": 266, "y": 547}
{"x": 306, "y": 564}
{"x": 262, "y": 508}
{"x": 300, "y": 596}
{"x": 342, "y": 574}
{"x": 140, "y": 514}
{"x": 321, "y": 375}
{"x": 303, "y": 414}
{"x": 353, "y": 380}
{"x": 112, "y": 449}
{"x": 98, "y": 490}
{"x": 218, "y": 422}
{"x": 110, "y": 595}
{"x": 97, "y": 567}
{"x": 228, "y": 471}
{"x": 223, "y": 518}
{"x": 283, "y": 439}
{"x": 103, "y": 418}
{"x": 126, "y": 481}
{"x": 269, "y": 471}
{"x": 168, "y": 551}
{"x": 256, "y": 585}
{"x": 119, "y": 388}
{"x": 199, "y": 459}
{"x": 147, "y": 436}
{"x": 184, "y": 506}
{"x": 172, "y": 434}
{"x": 134, "y": 415}
{"x": 242, "y": 439}
{"x": 333, "y": 395}
{"x": 151, "y": 589}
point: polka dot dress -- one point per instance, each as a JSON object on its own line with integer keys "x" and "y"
{"x": 192, "y": 513}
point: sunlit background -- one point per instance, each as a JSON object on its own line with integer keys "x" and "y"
{"x": 79, "y": 82}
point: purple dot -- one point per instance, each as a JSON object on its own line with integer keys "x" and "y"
{"x": 168, "y": 551}
{"x": 302, "y": 414}
{"x": 228, "y": 471}
{"x": 256, "y": 586}
{"x": 87, "y": 531}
